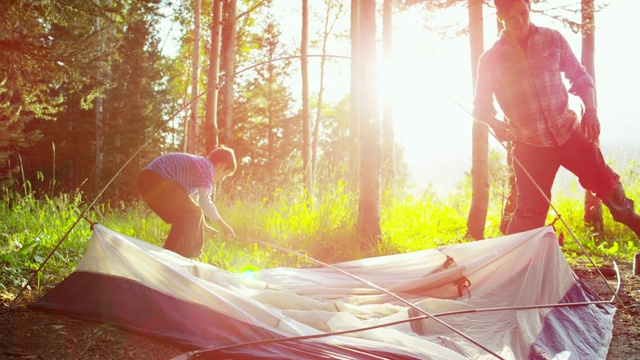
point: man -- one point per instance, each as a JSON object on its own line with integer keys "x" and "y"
{"x": 168, "y": 182}
{"x": 523, "y": 71}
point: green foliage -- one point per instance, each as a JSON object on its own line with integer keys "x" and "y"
{"x": 273, "y": 224}
{"x": 109, "y": 53}
{"x": 49, "y": 50}
{"x": 30, "y": 229}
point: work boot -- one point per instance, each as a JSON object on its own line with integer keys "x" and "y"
{"x": 622, "y": 210}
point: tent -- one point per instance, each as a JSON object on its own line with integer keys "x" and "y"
{"x": 512, "y": 297}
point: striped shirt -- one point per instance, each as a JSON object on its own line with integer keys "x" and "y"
{"x": 529, "y": 88}
{"x": 193, "y": 173}
{"x": 189, "y": 171}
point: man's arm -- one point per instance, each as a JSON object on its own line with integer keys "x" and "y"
{"x": 483, "y": 109}
{"x": 582, "y": 85}
{"x": 590, "y": 122}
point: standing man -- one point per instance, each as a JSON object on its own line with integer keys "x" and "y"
{"x": 168, "y": 183}
{"x": 523, "y": 71}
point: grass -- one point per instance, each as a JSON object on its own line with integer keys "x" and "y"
{"x": 30, "y": 228}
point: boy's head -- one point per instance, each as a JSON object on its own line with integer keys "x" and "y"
{"x": 223, "y": 160}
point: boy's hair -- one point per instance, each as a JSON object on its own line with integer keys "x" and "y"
{"x": 224, "y": 155}
{"x": 503, "y": 6}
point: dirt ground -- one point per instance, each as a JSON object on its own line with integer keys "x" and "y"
{"x": 30, "y": 334}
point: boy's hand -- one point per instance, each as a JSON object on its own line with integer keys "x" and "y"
{"x": 211, "y": 232}
{"x": 228, "y": 231}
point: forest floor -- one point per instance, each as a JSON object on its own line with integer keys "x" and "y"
{"x": 26, "y": 333}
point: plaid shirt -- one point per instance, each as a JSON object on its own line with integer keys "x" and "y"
{"x": 529, "y": 87}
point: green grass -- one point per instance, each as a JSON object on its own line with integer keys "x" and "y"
{"x": 30, "y": 228}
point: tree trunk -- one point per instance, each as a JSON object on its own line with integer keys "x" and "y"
{"x": 228, "y": 63}
{"x": 211, "y": 106}
{"x": 480, "y": 153}
{"x": 191, "y": 141}
{"x": 316, "y": 125}
{"x": 329, "y": 23}
{"x": 369, "y": 206}
{"x": 354, "y": 97}
{"x": 388, "y": 137}
{"x": 306, "y": 126}
{"x": 99, "y": 129}
{"x": 512, "y": 197}
{"x": 512, "y": 200}
{"x": 592, "y": 205}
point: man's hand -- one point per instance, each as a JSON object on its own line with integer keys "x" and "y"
{"x": 502, "y": 131}
{"x": 591, "y": 125}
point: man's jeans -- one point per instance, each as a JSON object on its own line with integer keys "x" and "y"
{"x": 582, "y": 158}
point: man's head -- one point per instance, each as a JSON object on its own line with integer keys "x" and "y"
{"x": 224, "y": 161}
{"x": 515, "y": 15}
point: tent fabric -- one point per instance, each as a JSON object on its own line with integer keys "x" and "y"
{"x": 473, "y": 290}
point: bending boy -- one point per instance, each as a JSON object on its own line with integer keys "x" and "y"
{"x": 167, "y": 185}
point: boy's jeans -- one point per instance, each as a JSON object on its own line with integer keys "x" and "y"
{"x": 173, "y": 205}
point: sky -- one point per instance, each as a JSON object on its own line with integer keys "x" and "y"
{"x": 432, "y": 94}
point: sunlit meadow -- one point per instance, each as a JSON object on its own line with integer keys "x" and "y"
{"x": 275, "y": 228}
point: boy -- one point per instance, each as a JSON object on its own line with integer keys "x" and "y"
{"x": 168, "y": 182}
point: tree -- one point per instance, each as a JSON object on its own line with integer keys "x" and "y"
{"x": 388, "y": 138}
{"x": 329, "y": 24}
{"x": 228, "y": 63}
{"x": 368, "y": 227}
{"x": 192, "y": 120}
{"x": 46, "y": 48}
{"x": 354, "y": 96}
{"x": 268, "y": 135}
{"x": 306, "y": 127}
{"x": 135, "y": 105}
{"x": 480, "y": 152}
{"x": 211, "y": 106}
{"x": 592, "y": 205}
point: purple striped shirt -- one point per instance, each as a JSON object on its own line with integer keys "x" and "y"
{"x": 189, "y": 171}
{"x": 529, "y": 88}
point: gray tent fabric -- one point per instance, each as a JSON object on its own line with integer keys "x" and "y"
{"x": 499, "y": 297}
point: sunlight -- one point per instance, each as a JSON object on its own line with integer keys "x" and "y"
{"x": 430, "y": 86}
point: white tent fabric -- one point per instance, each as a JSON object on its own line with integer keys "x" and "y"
{"x": 479, "y": 284}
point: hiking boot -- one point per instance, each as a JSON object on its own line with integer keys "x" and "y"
{"x": 622, "y": 210}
